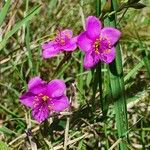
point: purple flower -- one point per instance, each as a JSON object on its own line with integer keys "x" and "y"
{"x": 45, "y": 98}
{"x": 62, "y": 42}
{"x": 97, "y": 43}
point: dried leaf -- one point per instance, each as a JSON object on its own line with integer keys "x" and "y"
{"x": 107, "y": 7}
{"x": 133, "y": 1}
{"x": 137, "y": 5}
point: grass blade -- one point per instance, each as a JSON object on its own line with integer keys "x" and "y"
{"x": 3, "y": 146}
{"x": 33, "y": 12}
{"x": 117, "y": 87}
{"x": 144, "y": 53}
{"x": 4, "y": 11}
{"x": 98, "y": 73}
{"x": 27, "y": 40}
{"x": 133, "y": 71}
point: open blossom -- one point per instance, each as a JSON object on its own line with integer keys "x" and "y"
{"x": 62, "y": 42}
{"x": 45, "y": 98}
{"x": 97, "y": 43}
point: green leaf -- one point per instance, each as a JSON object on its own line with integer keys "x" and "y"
{"x": 4, "y": 11}
{"x": 133, "y": 71}
{"x": 117, "y": 87}
{"x": 7, "y": 131}
{"x": 89, "y": 78}
{"x": 3, "y": 146}
{"x": 18, "y": 25}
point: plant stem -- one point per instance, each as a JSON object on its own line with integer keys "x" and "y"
{"x": 98, "y": 73}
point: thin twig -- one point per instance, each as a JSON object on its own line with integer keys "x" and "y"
{"x": 24, "y": 135}
{"x": 86, "y": 135}
{"x": 66, "y": 133}
{"x": 91, "y": 127}
{"x": 115, "y": 144}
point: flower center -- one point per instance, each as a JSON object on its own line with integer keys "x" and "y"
{"x": 41, "y": 99}
{"x": 96, "y": 46}
{"x": 107, "y": 51}
{"x": 62, "y": 38}
{"x": 102, "y": 45}
{"x": 62, "y": 41}
{"x": 45, "y": 98}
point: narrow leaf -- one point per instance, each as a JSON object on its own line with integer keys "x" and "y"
{"x": 3, "y": 146}
{"x": 4, "y": 11}
{"x": 18, "y": 25}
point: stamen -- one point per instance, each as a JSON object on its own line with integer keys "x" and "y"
{"x": 96, "y": 51}
{"x": 35, "y": 104}
{"x": 68, "y": 35}
{"x": 96, "y": 46}
{"x": 107, "y": 51}
{"x": 50, "y": 107}
{"x": 62, "y": 41}
{"x": 42, "y": 96}
{"x": 45, "y": 98}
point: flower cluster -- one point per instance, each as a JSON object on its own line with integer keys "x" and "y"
{"x": 45, "y": 98}
{"x": 98, "y": 45}
{"x": 96, "y": 42}
{"x": 62, "y": 42}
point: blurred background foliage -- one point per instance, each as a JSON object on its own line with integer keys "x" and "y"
{"x": 21, "y": 59}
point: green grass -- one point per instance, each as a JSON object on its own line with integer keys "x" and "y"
{"x": 98, "y": 118}
{"x": 118, "y": 87}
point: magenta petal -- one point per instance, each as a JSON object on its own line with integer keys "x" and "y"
{"x": 93, "y": 27}
{"x": 50, "y": 50}
{"x": 89, "y": 61}
{"x": 56, "y": 88}
{"x": 67, "y": 33}
{"x": 108, "y": 57}
{"x": 36, "y": 85}
{"x": 112, "y": 34}
{"x": 41, "y": 112}
{"x": 47, "y": 45}
{"x": 84, "y": 43}
{"x": 60, "y": 104}
{"x": 27, "y": 99}
{"x": 35, "y": 81}
{"x": 71, "y": 45}
{"x": 74, "y": 39}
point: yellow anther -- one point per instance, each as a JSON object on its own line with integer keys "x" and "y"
{"x": 96, "y": 46}
{"x": 62, "y": 41}
{"x": 96, "y": 51}
{"x": 45, "y": 98}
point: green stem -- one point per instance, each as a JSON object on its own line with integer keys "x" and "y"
{"x": 98, "y": 72}
{"x": 27, "y": 40}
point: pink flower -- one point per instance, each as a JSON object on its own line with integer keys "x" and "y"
{"x": 97, "y": 43}
{"x": 62, "y": 42}
{"x": 45, "y": 98}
